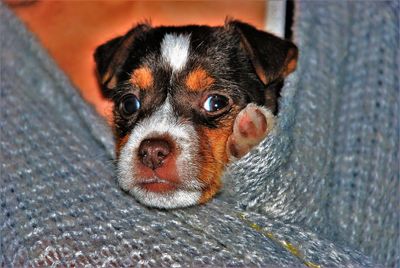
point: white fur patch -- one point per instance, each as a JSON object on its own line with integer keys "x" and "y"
{"x": 175, "y": 50}
{"x": 179, "y": 198}
{"x": 163, "y": 121}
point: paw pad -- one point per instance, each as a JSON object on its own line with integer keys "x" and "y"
{"x": 251, "y": 126}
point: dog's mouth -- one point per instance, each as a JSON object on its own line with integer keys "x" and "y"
{"x": 157, "y": 185}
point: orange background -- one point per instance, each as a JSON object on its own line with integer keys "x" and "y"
{"x": 71, "y": 30}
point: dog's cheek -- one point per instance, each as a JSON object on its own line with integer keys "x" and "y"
{"x": 214, "y": 158}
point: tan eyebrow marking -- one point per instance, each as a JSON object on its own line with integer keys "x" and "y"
{"x": 142, "y": 78}
{"x": 198, "y": 80}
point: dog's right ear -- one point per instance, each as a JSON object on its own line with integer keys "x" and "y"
{"x": 273, "y": 58}
{"x": 111, "y": 56}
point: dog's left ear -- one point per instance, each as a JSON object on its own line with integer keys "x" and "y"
{"x": 272, "y": 57}
{"x": 111, "y": 56}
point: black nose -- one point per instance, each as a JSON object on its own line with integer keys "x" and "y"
{"x": 153, "y": 152}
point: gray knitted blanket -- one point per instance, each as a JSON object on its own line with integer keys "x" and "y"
{"x": 322, "y": 190}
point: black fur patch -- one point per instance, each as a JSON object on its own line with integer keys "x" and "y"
{"x": 237, "y": 56}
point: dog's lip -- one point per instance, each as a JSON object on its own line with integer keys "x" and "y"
{"x": 157, "y": 185}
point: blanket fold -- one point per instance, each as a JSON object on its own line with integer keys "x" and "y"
{"x": 322, "y": 190}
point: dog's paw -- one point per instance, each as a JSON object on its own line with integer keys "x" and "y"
{"x": 251, "y": 126}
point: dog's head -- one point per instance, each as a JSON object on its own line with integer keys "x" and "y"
{"x": 176, "y": 94}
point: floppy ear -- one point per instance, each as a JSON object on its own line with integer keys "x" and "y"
{"x": 111, "y": 56}
{"x": 272, "y": 57}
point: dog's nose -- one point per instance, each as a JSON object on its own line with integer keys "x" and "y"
{"x": 153, "y": 152}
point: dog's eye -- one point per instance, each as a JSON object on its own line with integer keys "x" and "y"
{"x": 129, "y": 105}
{"x": 215, "y": 103}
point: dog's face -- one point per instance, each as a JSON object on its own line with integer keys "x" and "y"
{"x": 177, "y": 92}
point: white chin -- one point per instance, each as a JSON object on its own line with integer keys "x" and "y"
{"x": 175, "y": 199}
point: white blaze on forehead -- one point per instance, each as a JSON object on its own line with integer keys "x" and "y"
{"x": 175, "y": 50}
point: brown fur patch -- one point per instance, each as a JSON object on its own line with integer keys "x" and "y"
{"x": 119, "y": 144}
{"x": 261, "y": 73}
{"x": 214, "y": 158}
{"x": 291, "y": 62}
{"x": 290, "y": 67}
{"x": 198, "y": 80}
{"x": 142, "y": 78}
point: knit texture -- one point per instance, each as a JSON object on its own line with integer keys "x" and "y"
{"x": 340, "y": 174}
{"x": 321, "y": 189}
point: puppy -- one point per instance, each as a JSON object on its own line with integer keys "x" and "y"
{"x": 189, "y": 100}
